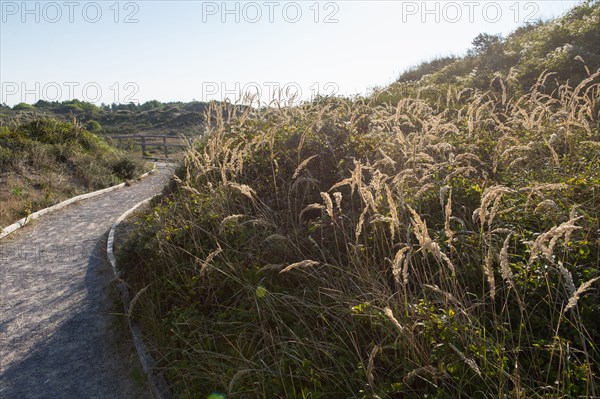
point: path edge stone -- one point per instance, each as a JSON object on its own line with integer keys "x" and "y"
{"x": 24, "y": 221}
{"x": 159, "y": 387}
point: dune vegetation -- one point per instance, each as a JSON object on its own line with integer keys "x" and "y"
{"x": 445, "y": 245}
{"x": 437, "y": 239}
{"x": 154, "y": 117}
{"x": 45, "y": 161}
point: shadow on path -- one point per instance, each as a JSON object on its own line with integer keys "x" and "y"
{"x": 74, "y": 361}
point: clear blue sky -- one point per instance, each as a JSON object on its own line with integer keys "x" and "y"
{"x": 109, "y": 51}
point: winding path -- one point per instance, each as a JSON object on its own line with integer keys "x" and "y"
{"x": 60, "y": 336}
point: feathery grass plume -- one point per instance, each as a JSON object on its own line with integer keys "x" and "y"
{"x": 393, "y": 211}
{"x": 420, "y": 372}
{"x": 206, "y": 262}
{"x": 580, "y": 59}
{"x": 345, "y": 182}
{"x": 303, "y": 165}
{"x": 595, "y": 144}
{"x": 361, "y": 221}
{"x": 443, "y": 191}
{"x": 328, "y": 203}
{"x": 489, "y": 272}
{"x": 386, "y": 160}
{"x": 338, "y": 201}
{"x": 378, "y": 218}
{"x": 390, "y": 315}
{"x": 507, "y": 274}
{"x": 470, "y": 362}
{"x": 271, "y": 266}
{"x": 461, "y": 171}
{"x": 377, "y": 184}
{"x": 420, "y": 158}
{"x": 448, "y": 216}
{"x": 302, "y": 180}
{"x": 516, "y": 162}
{"x": 572, "y": 216}
{"x": 135, "y": 300}
{"x": 371, "y": 365}
{"x": 524, "y": 148}
{"x": 546, "y": 206}
{"x": 555, "y": 157}
{"x": 185, "y": 186}
{"x": 237, "y": 376}
{"x": 368, "y": 198}
{"x": 404, "y": 176}
{"x": 356, "y": 178}
{"x": 491, "y": 195}
{"x": 397, "y": 266}
{"x": 447, "y": 295}
{"x": 422, "y": 234}
{"x": 575, "y": 97}
{"x": 494, "y": 210}
{"x": 468, "y": 159}
{"x": 258, "y": 222}
{"x": 580, "y": 291}
{"x": 568, "y": 278}
{"x": 405, "y": 265}
{"x": 538, "y": 189}
{"x": 304, "y": 263}
{"x": 311, "y": 207}
{"x": 228, "y": 219}
{"x": 545, "y": 243}
{"x": 424, "y": 189}
{"x": 244, "y": 189}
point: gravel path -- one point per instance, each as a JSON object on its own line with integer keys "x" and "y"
{"x": 59, "y": 335}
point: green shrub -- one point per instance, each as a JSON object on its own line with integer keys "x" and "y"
{"x": 126, "y": 169}
{"x": 23, "y": 107}
{"x": 93, "y": 126}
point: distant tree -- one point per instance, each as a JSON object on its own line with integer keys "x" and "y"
{"x": 43, "y": 104}
{"x": 69, "y": 107}
{"x": 484, "y": 43}
{"x": 93, "y": 126}
{"x": 153, "y": 104}
{"x": 23, "y": 107}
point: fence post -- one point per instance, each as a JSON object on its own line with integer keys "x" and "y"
{"x": 143, "y": 146}
{"x": 166, "y": 149}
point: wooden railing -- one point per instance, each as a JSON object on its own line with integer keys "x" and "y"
{"x": 150, "y": 140}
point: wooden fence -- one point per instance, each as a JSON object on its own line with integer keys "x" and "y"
{"x": 153, "y": 140}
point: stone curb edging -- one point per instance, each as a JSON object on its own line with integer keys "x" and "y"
{"x": 156, "y": 381}
{"x": 22, "y": 222}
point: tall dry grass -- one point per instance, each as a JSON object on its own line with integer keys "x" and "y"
{"x": 444, "y": 245}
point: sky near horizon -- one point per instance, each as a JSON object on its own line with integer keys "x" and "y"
{"x": 136, "y": 51}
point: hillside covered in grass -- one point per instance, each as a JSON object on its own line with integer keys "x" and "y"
{"x": 567, "y": 46}
{"x": 435, "y": 240}
{"x": 150, "y": 117}
{"x": 45, "y": 161}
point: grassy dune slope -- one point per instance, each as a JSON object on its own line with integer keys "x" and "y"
{"x": 45, "y": 161}
{"x": 150, "y": 117}
{"x": 567, "y": 46}
{"x": 342, "y": 249}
